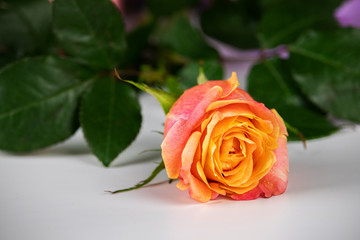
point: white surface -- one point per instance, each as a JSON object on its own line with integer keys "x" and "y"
{"x": 59, "y": 194}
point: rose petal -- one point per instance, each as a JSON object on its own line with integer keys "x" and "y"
{"x": 250, "y": 195}
{"x": 186, "y": 104}
{"x": 188, "y": 154}
{"x": 216, "y": 188}
{"x": 275, "y": 182}
{"x": 170, "y": 151}
{"x": 176, "y": 136}
{"x": 248, "y": 109}
{"x": 239, "y": 94}
{"x": 199, "y": 191}
{"x": 282, "y": 127}
{"x": 182, "y": 185}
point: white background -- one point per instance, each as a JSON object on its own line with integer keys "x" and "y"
{"x": 58, "y": 193}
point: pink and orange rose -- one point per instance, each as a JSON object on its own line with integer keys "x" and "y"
{"x": 219, "y": 141}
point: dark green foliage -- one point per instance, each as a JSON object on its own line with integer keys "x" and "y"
{"x": 39, "y": 100}
{"x": 25, "y": 29}
{"x": 233, "y": 22}
{"x": 110, "y": 117}
{"x": 271, "y": 82}
{"x": 328, "y": 72}
{"x": 91, "y": 31}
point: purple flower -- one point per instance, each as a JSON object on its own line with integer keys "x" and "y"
{"x": 348, "y": 14}
{"x": 280, "y": 51}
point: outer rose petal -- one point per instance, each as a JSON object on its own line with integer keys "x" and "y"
{"x": 239, "y": 94}
{"x": 198, "y": 190}
{"x": 176, "y": 137}
{"x": 185, "y": 105}
{"x": 250, "y": 195}
{"x": 275, "y": 182}
{"x": 187, "y": 112}
{"x": 283, "y": 130}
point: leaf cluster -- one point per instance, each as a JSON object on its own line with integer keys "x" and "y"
{"x": 57, "y": 61}
{"x": 321, "y": 76}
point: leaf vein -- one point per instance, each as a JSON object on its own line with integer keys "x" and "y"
{"x": 110, "y": 119}
{"x": 93, "y": 34}
{"x": 324, "y": 60}
{"x": 52, "y": 96}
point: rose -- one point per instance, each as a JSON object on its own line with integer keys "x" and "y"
{"x": 219, "y": 141}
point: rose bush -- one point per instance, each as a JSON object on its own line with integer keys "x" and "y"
{"x": 219, "y": 141}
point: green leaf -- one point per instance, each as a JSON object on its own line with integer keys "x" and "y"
{"x": 271, "y": 82}
{"x": 327, "y": 68}
{"x": 110, "y": 117}
{"x": 201, "y": 79}
{"x": 189, "y": 73}
{"x": 284, "y": 21}
{"x": 25, "y": 28}
{"x": 309, "y": 123}
{"x": 233, "y": 22}
{"x": 156, "y": 171}
{"x": 172, "y": 83}
{"x": 165, "y": 99}
{"x": 91, "y": 31}
{"x": 166, "y": 7}
{"x": 181, "y": 37}
{"x": 39, "y": 101}
{"x": 150, "y": 75}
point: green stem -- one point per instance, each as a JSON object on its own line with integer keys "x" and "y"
{"x": 156, "y": 171}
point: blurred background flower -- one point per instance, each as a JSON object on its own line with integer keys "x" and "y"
{"x": 348, "y": 14}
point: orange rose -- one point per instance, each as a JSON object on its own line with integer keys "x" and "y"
{"x": 219, "y": 141}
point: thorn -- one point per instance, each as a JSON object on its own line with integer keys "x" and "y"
{"x": 159, "y": 132}
{"x": 303, "y": 139}
{"x": 116, "y": 73}
{"x": 149, "y": 150}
